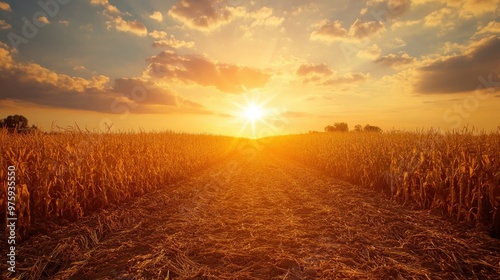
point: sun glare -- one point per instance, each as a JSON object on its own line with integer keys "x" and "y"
{"x": 253, "y": 113}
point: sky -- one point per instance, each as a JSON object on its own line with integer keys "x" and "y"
{"x": 251, "y": 68}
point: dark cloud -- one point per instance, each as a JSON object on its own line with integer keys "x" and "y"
{"x": 478, "y": 67}
{"x": 198, "y": 69}
{"x": 32, "y": 83}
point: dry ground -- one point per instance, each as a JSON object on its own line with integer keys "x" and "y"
{"x": 264, "y": 218}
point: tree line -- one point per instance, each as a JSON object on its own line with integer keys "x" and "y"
{"x": 344, "y": 127}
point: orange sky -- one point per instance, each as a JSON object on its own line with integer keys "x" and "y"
{"x": 196, "y": 66}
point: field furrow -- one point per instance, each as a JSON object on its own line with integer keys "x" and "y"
{"x": 268, "y": 219}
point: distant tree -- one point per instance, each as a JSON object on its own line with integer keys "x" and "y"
{"x": 341, "y": 126}
{"x": 337, "y": 127}
{"x": 16, "y": 121}
{"x": 358, "y": 128}
{"x": 329, "y": 128}
{"x": 372, "y": 128}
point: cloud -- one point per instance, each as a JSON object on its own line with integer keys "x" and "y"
{"x": 34, "y": 84}
{"x": 361, "y": 30}
{"x": 165, "y": 41}
{"x": 408, "y": 23}
{"x": 158, "y": 34}
{"x": 108, "y": 7}
{"x": 172, "y": 43}
{"x": 155, "y": 95}
{"x": 79, "y": 68}
{"x": 370, "y": 52}
{"x": 438, "y": 18}
{"x": 396, "y": 43}
{"x": 330, "y": 31}
{"x": 322, "y": 74}
{"x": 465, "y": 72}
{"x": 133, "y": 26}
{"x": 156, "y": 15}
{"x": 153, "y": 99}
{"x": 115, "y": 20}
{"x": 493, "y": 27}
{"x": 5, "y": 7}
{"x": 307, "y": 69}
{"x": 203, "y": 15}
{"x": 347, "y": 79}
{"x": 99, "y": 2}
{"x": 466, "y": 8}
{"x": 88, "y": 27}
{"x": 395, "y": 60}
{"x": 34, "y": 73}
{"x": 43, "y": 20}
{"x": 307, "y": 7}
{"x": 452, "y": 48}
{"x": 386, "y": 10}
{"x": 230, "y": 78}
{"x": 264, "y": 17}
{"x": 30, "y": 82}
{"x": 477, "y": 8}
{"x": 4, "y": 25}
{"x": 64, "y": 22}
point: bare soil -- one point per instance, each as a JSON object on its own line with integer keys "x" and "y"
{"x": 264, "y": 218}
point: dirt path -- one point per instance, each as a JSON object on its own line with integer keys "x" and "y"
{"x": 272, "y": 220}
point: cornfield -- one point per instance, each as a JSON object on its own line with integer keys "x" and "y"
{"x": 458, "y": 173}
{"x": 67, "y": 175}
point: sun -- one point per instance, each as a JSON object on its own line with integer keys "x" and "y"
{"x": 253, "y": 113}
